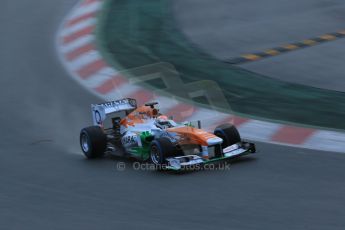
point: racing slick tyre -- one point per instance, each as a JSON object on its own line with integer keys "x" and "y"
{"x": 160, "y": 150}
{"x": 228, "y": 133}
{"x": 93, "y": 142}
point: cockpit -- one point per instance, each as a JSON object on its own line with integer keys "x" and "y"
{"x": 163, "y": 122}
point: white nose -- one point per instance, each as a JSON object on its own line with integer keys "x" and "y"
{"x": 214, "y": 141}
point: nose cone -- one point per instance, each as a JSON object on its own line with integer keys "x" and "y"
{"x": 196, "y": 136}
{"x": 214, "y": 141}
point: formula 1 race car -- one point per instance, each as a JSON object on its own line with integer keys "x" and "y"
{"x": 145, "y": 134}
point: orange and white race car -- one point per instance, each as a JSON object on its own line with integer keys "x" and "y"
{"x": 145, "y": 134}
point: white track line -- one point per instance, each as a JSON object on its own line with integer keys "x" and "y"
{"x": 79, "y": 26}
{"x": 84, "y": 59}
{"x": 258, "y": 130}
{"x": 123, "y": 91}
{"x": 100, "y": 77}
{"x": 327, "y": 140}
{"x": 83, "y": 10}
{"x": 87, "y": 39}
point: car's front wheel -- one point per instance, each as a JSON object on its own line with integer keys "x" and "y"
{"x": 160, "y": 150}
{"x": 93, "y": 142}
{"x": 228, "y": 133}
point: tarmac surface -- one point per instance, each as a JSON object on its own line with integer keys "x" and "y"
{"x": 228, "y": 29}
{"x": 46, "y": 183}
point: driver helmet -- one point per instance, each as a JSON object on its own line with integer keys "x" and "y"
{"x": 162, "y": 118}
{"x": 163, "y": 122}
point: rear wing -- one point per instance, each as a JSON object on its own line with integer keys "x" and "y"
{"x": 100, "y": 111}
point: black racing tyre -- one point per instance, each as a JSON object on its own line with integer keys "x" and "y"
{"x": 93, "y": 142}
{"x": 160, "y": 150}
{"x": 228, "y": 133}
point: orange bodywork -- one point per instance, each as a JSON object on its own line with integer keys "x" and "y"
{"x": 191, "y": 135}
{"x": 138, "y": 116}
{"x": 187, "y": 134}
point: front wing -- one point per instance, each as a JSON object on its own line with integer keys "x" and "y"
{"x": 190, "y": 161}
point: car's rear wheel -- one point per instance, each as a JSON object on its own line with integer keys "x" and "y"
{"x": 160, "y": 150}
{"x": 93, "y": 142}
{"x": 228, "y": 133}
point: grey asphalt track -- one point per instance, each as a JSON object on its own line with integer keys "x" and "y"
{"x": 230, "y": 28}
{"x": 45, "y": 182}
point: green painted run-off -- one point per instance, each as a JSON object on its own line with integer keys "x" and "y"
{"x": 136, "y": 33}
